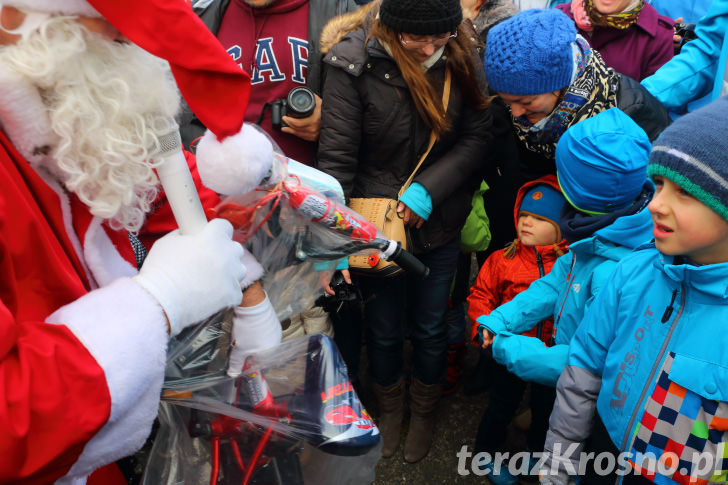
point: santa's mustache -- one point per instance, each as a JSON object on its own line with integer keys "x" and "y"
{"x": 108, "y": 103}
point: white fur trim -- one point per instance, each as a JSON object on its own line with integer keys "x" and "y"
{"x": 101, "y": 255}
{"x": 68, "y": 222}
{"x": 124, "y": 329}
{"x": 253, "y": 270}
{"x": 237, "y": 164}
{"x": 65, "y": 7}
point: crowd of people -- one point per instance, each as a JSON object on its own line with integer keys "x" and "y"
{"x": 603, "y": 294}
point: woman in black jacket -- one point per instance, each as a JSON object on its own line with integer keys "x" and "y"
{"x": 382, "y": 98}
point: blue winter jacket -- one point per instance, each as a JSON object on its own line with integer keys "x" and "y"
{"x": 566, "y": 293}
{"x": 652, "y": 353}
{"x": 689, "y": 11}
{"x": 699, "y": 69}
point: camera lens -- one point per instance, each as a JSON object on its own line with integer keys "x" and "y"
{"x": 301, "y": 102}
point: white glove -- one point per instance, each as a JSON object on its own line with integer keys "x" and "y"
{"x": 194, "y": 276}
{"x": 548, "y": 477}
{"x": 255, "y": 328}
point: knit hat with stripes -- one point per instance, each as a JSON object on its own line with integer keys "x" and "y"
{"x": 693, "y": 153}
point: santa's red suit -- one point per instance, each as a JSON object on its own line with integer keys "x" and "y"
{"x": 82, "y": 346}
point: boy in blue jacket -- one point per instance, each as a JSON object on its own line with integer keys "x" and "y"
{"x": 650, "y": 356}
{"x": 601, "y": 165}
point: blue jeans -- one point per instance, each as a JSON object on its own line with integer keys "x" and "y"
{"x": 394, "y": 305}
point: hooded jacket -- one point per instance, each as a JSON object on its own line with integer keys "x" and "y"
{"x": 372, "y": 135}
{"x": 566, "y": 294}
{"x": 509, "y": 271}
{"x": 651, "y": 353}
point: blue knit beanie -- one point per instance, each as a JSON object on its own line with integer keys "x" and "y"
{"x": 530, "y": 53}
{"x": 546, "y": 202}
{"x": 693, "y": 153}
{"x": 601, "y": 162}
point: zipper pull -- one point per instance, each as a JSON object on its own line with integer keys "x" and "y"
{"x": 668, "y": 310}
{"x": 539, "y": 263}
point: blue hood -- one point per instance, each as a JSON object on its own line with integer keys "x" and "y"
{"x": 629, "y": 231}
{"x": 708, "y": 279}
{"x": 628, "y": 227}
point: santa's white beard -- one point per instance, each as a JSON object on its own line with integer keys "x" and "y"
{"x": 107, "y": 105}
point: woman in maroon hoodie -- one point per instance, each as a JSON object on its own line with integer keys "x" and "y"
{"x": 631, "y": 36}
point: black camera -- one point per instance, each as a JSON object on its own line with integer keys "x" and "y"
{"x": 343, "y": 293}
{"x": 299, "y": 103}
{"x": 686, "y": 31}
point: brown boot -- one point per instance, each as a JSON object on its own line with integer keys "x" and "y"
{"x": 423, "y": 408}
{"x": 390, "y": 400}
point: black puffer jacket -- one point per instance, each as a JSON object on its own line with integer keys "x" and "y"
{"x": 372, "y": 136}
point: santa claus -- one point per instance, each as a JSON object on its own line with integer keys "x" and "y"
{"x": 83, "y": 332}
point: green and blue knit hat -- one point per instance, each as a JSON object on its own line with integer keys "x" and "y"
{"x": 693, "y": 153}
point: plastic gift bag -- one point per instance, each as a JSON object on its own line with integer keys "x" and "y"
{"x": 291, "y": 417}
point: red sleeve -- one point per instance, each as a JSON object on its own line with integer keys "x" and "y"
{"x": 161, "y": 220}
{"x": 485, "y": 294}
{"x": 55, "y": 399}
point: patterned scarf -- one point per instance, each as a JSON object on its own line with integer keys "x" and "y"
{"x": 593, "y": 90}
{"x": 621, "y": 20}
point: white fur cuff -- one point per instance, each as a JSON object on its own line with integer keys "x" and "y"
{"x": 254, "y": 270}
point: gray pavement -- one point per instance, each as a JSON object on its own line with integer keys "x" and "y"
{"x": 458, "y": 419}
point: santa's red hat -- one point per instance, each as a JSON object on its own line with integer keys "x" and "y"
{"x": 231, "y": 158}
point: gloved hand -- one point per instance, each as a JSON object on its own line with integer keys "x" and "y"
{"x": 194, "y": 276}
{"x": 552, "y": 470}
{"x": 547, "y": 477}
{"x": 255, "y": 328}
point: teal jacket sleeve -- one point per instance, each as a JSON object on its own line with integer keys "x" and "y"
{"x": 589, "y": 345}
{"x": 418, "y": 199}
{"x": 693, "y": 73}
{"x": 529, "y": 358}
{"x": 530, "y": 306}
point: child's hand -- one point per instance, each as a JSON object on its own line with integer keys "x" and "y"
{"x": 485, "y": 337}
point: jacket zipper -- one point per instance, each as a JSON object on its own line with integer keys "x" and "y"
{"x": 657, "y": 363}
{"x": 563, "y": 302}
{"x": 541, "y": 272}
{"x": 668, "y": 310}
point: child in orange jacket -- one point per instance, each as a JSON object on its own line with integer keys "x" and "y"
{"x": 504, "y": 274}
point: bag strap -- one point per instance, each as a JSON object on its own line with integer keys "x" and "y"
{"x": 433, "y": 137}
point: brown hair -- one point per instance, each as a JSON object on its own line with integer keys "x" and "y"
{"x": 427, "y": 100}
